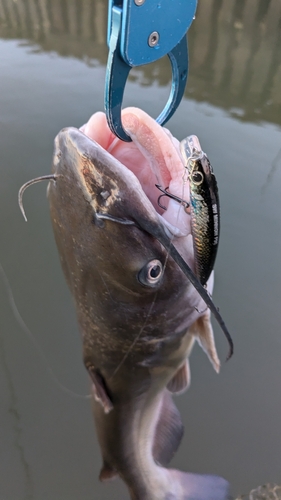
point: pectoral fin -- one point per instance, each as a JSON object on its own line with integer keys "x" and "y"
{"x": 203, "y": 331}
{"x": 107, "y": 473}
{"x": 99, "y": 388}
{"x": 181, "y": 380}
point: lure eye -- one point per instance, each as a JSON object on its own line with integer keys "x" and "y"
{"x": 151, "y": 273}
{"x": 197, "y": 178}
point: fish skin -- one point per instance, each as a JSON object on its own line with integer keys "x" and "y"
{"x": 138, "y": 426}
{"x": 204, "y": 209}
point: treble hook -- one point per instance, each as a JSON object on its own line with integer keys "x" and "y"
{"x": 172, "y": 196}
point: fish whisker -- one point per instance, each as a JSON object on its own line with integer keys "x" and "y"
{"x": 126, "y": 222}
{"x": 30, "y": 183}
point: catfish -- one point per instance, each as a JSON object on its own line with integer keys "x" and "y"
{"x": 130, "y": 267}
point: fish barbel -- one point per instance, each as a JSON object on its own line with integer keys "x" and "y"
{"x": 137, "y": 311}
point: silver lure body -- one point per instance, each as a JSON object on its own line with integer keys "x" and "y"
{"x": 204, "y": 207}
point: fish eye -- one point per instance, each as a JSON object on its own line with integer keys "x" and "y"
{"x": 197, "y": 178}
{"x": 151, "y": 273}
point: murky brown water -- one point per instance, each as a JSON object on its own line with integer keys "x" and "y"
{"x": 52, "y": 67}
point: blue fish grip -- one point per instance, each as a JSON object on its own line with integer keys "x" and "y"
{"x": 141, "y": 32}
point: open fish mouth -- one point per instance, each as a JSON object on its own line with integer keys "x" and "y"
{"x": 154, "y": 157}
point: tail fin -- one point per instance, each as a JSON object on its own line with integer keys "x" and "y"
{"x": 200, "y": 487}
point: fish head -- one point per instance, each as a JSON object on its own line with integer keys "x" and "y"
{"x": 100, "y": 208}
{"x": 109, "y": 235}
{"x": 105, "y": 221}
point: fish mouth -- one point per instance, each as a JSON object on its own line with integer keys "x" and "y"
{"x": 154, "y": 157}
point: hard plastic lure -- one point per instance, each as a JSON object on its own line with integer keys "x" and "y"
{"x": 204, "y": 207}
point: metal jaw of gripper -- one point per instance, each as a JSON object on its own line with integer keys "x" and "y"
{"x": 141, "y": 32}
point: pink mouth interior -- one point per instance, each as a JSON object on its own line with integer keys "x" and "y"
{"x": 153, "y": 156}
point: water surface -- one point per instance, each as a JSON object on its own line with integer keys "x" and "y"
{"x": 52, "y": 68}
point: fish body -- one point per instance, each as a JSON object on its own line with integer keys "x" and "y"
{"x": 204, "y": 207}
{"x": 137, "y": 311}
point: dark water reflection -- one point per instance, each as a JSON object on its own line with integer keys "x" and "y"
{"x": 234, "y": 45}
{"x": 52, "y": 58}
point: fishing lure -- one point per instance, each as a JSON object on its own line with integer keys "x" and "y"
{"x": 204, "y": 207}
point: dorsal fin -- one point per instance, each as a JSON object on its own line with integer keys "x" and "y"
{"x": 181, "y": 380}
{"x": 168, "y": 432}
